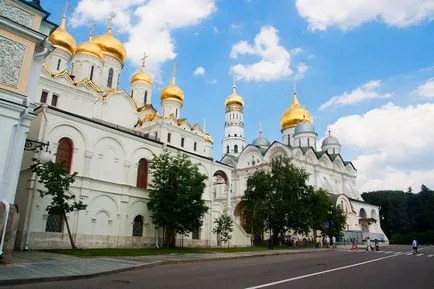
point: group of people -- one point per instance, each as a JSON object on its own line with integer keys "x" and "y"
{"x": 325, "y": 241}
{"x": 369, "y": 244}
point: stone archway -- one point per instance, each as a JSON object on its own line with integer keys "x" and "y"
{"x": 240, "y": 215}
{"x": 363, "y": 220}
{"x": 220, "y": 182}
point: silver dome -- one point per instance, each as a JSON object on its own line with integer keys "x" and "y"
{"x": 261, "y": 141}
{"x": 304, "y": 127}
{"x": 330, "y": 140}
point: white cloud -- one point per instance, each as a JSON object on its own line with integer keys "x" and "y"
{"x": 214, "y": 81}
{"x": 301, "y": 71}
{"x": 347, "y": 14}
{"x": 215, "y": 29}
{"x": 148, "y": 23}
{"x": 274, "y": 62}
{"x": 199, "y": 71}
{"x": 388, "y": 139}
{"x": 426, "y": 89}
{"x": 369, "y": 90}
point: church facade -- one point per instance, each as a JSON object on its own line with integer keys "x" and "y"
{"x": 108, "y": 136}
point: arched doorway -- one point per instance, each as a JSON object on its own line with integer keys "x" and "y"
{"x": 363, "y": 220}
{"x": 220, "y": 184}
{"x": 138, "y": 226}
{"x": 240, "y": 215}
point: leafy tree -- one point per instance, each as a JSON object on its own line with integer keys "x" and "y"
{"x": 256, "y": 203}
{"x": 223, "y": 227}
{"x": 320, "y": 206}
{"x": 278, "y": 200}
{"x": 57, "y": 181}
{"x": 175, "y": 195}
{"x": 337, "y": 221}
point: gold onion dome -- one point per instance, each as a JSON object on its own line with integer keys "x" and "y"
{"x": 234, "y": 98}
{"x": 172, "y": 91}
{"x": 60, "y": 38}
{"x": 294, "y": 115}
{"x": 142, "y": 75}
{"x": 111, "y": 46}
{"x": 89, "y": 48}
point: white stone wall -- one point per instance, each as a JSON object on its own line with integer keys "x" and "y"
{"x": 170, "y": 106}
{"x": 138, "y": 90}
{"x": 53, "y": 58}
{"x": 110, "y": 62}
{"x": 82, "y": 67}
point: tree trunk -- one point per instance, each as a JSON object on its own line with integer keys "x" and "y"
{"x": 169, "y": 239}
{"x": 69, "y": 231}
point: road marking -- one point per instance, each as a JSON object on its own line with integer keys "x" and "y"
{"x": 429, "y": 256}
{"x": 408, "y": 254}
{"x": 320, "y": 273}
{"x": 420, "y": 254}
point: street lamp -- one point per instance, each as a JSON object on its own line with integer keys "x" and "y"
{"x": 37, "y": 146}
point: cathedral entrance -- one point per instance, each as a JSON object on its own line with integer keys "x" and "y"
{"x": 240, "y": 215}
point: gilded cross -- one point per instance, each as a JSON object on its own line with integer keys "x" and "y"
{"x": 110, "y": 19}
{"x": 143, "y": 59}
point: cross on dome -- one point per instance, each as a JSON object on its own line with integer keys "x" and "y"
{"x": 143, "y": 59}
{"x": 110, "y": 20}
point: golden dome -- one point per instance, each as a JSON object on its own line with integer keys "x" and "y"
{"x": 234, "y": 98}
{"x": 90, "y": 48}
{"x": 294, "y": 115}
{"x": 142, "y": 75}
{"x": 111, "y": 46}
{"x": 62, "y": 39}
{"x": 172, "y": 91}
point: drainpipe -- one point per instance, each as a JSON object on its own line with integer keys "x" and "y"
{"x": 8, "y": 207}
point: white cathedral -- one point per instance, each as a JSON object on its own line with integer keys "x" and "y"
{"x": 109, "y": 135}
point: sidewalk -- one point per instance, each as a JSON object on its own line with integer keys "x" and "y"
{"x": 38, "y": 266}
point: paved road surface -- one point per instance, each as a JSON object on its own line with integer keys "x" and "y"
{"x": 392, "y": 268}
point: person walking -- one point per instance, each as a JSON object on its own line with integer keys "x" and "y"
{"x": 353, "y": 244}
{"x": 415, "y": 245}
{"x": 369, "y": 245}
{"x": 377, "y": 245}
{"x": 334, "y": 242}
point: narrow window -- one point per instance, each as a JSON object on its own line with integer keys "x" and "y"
{"x": 72, "y": 68}
{"x": 117, "y": 84}
{"x": 44, "y": 96}
{"x": 110, "y": 78}
{"x": 196, "y": 233}
{"x": 235, "y": 135}
{"x": 58, "y": 64}
{"x": 169, "y": 136}
{"x": 182, "y": 142}
{"x": 308, "y": 142}
{"x": 145, "y": 99}
{"x": 227, "y": 149}
{"x": 54, "y": 223}
{"x": 64, "y": 153}
{"x": 142, "y": 174}
{"x": 195, "y": 146}
{"x": 156, "y": 135}
{"x": 138, "y": 226}
{"x": 176, "y": 113}
{"x": 91, "y": 72}
{"x": 235, "y": 149}
{"x": 54, "y": 100}
{"x": 132, "y": 93}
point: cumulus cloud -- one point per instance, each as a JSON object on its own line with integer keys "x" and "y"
{"x": 301, "y": 71}
{"x": 388, "y": 138}
{"x": 199, "y": 71}
{"x": 346, "y": 14}
{"x": 274, "y": 62}
{"x": 369, "y": 90}
{"x": 426, "y": 89}
{"x": 148, "y": 23}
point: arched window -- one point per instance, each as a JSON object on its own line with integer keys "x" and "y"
{"x": 138, "y": 226}
{"x": 91, "y": 73}
{"x": 132, "y": 93}
{"x": 145, "y": 99}
{"x": 54, "y": 223}
{"x": 110, "y": 78}
{"x": 235, "y": 149}
{"x": 64, "y": 153}
{"x": 227, "y": 149}
{"x": 58, "y": 64}
{"x": 142, "y": 174}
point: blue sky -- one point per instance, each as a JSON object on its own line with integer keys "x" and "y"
{"x": 369, "y": 70}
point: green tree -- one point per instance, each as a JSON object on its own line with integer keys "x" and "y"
{"x": 175, "y": 195}
{"x": 337, "y": 221}
{"x": 223, "y": 227}
{"x": 56, "y": 183}
{"x": 278, "y": 200}
{"x": 319, "y": 208}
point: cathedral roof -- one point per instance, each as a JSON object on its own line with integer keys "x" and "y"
{"x": 294, "y": 114}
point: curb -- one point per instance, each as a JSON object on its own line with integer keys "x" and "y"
{"x": 144, "y": 265}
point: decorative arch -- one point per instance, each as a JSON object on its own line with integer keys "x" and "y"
{"x": 325, "y": 162}
{"x": 362, "y": 213}
{"x": 138, "y": 226}
{"x": 240, "y": 214}
{"x": 311, "y": 157}
{"x": 374, "y": 214}
{"x": 276, "y": 150}
{"x": 100, "y": 139}
{"x": 72, "y": 131}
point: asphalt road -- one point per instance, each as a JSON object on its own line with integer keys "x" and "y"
{"x": 392, "y": 268}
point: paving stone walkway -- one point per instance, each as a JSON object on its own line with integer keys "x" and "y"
{"x": 38, "y": 266}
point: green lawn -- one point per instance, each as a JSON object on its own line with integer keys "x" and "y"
{"x": 152, "y": 251}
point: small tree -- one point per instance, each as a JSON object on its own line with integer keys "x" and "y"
{"x": 223, "y": 227}
{"x": 175, "y": 195}
{"x": 57, "y": 182}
